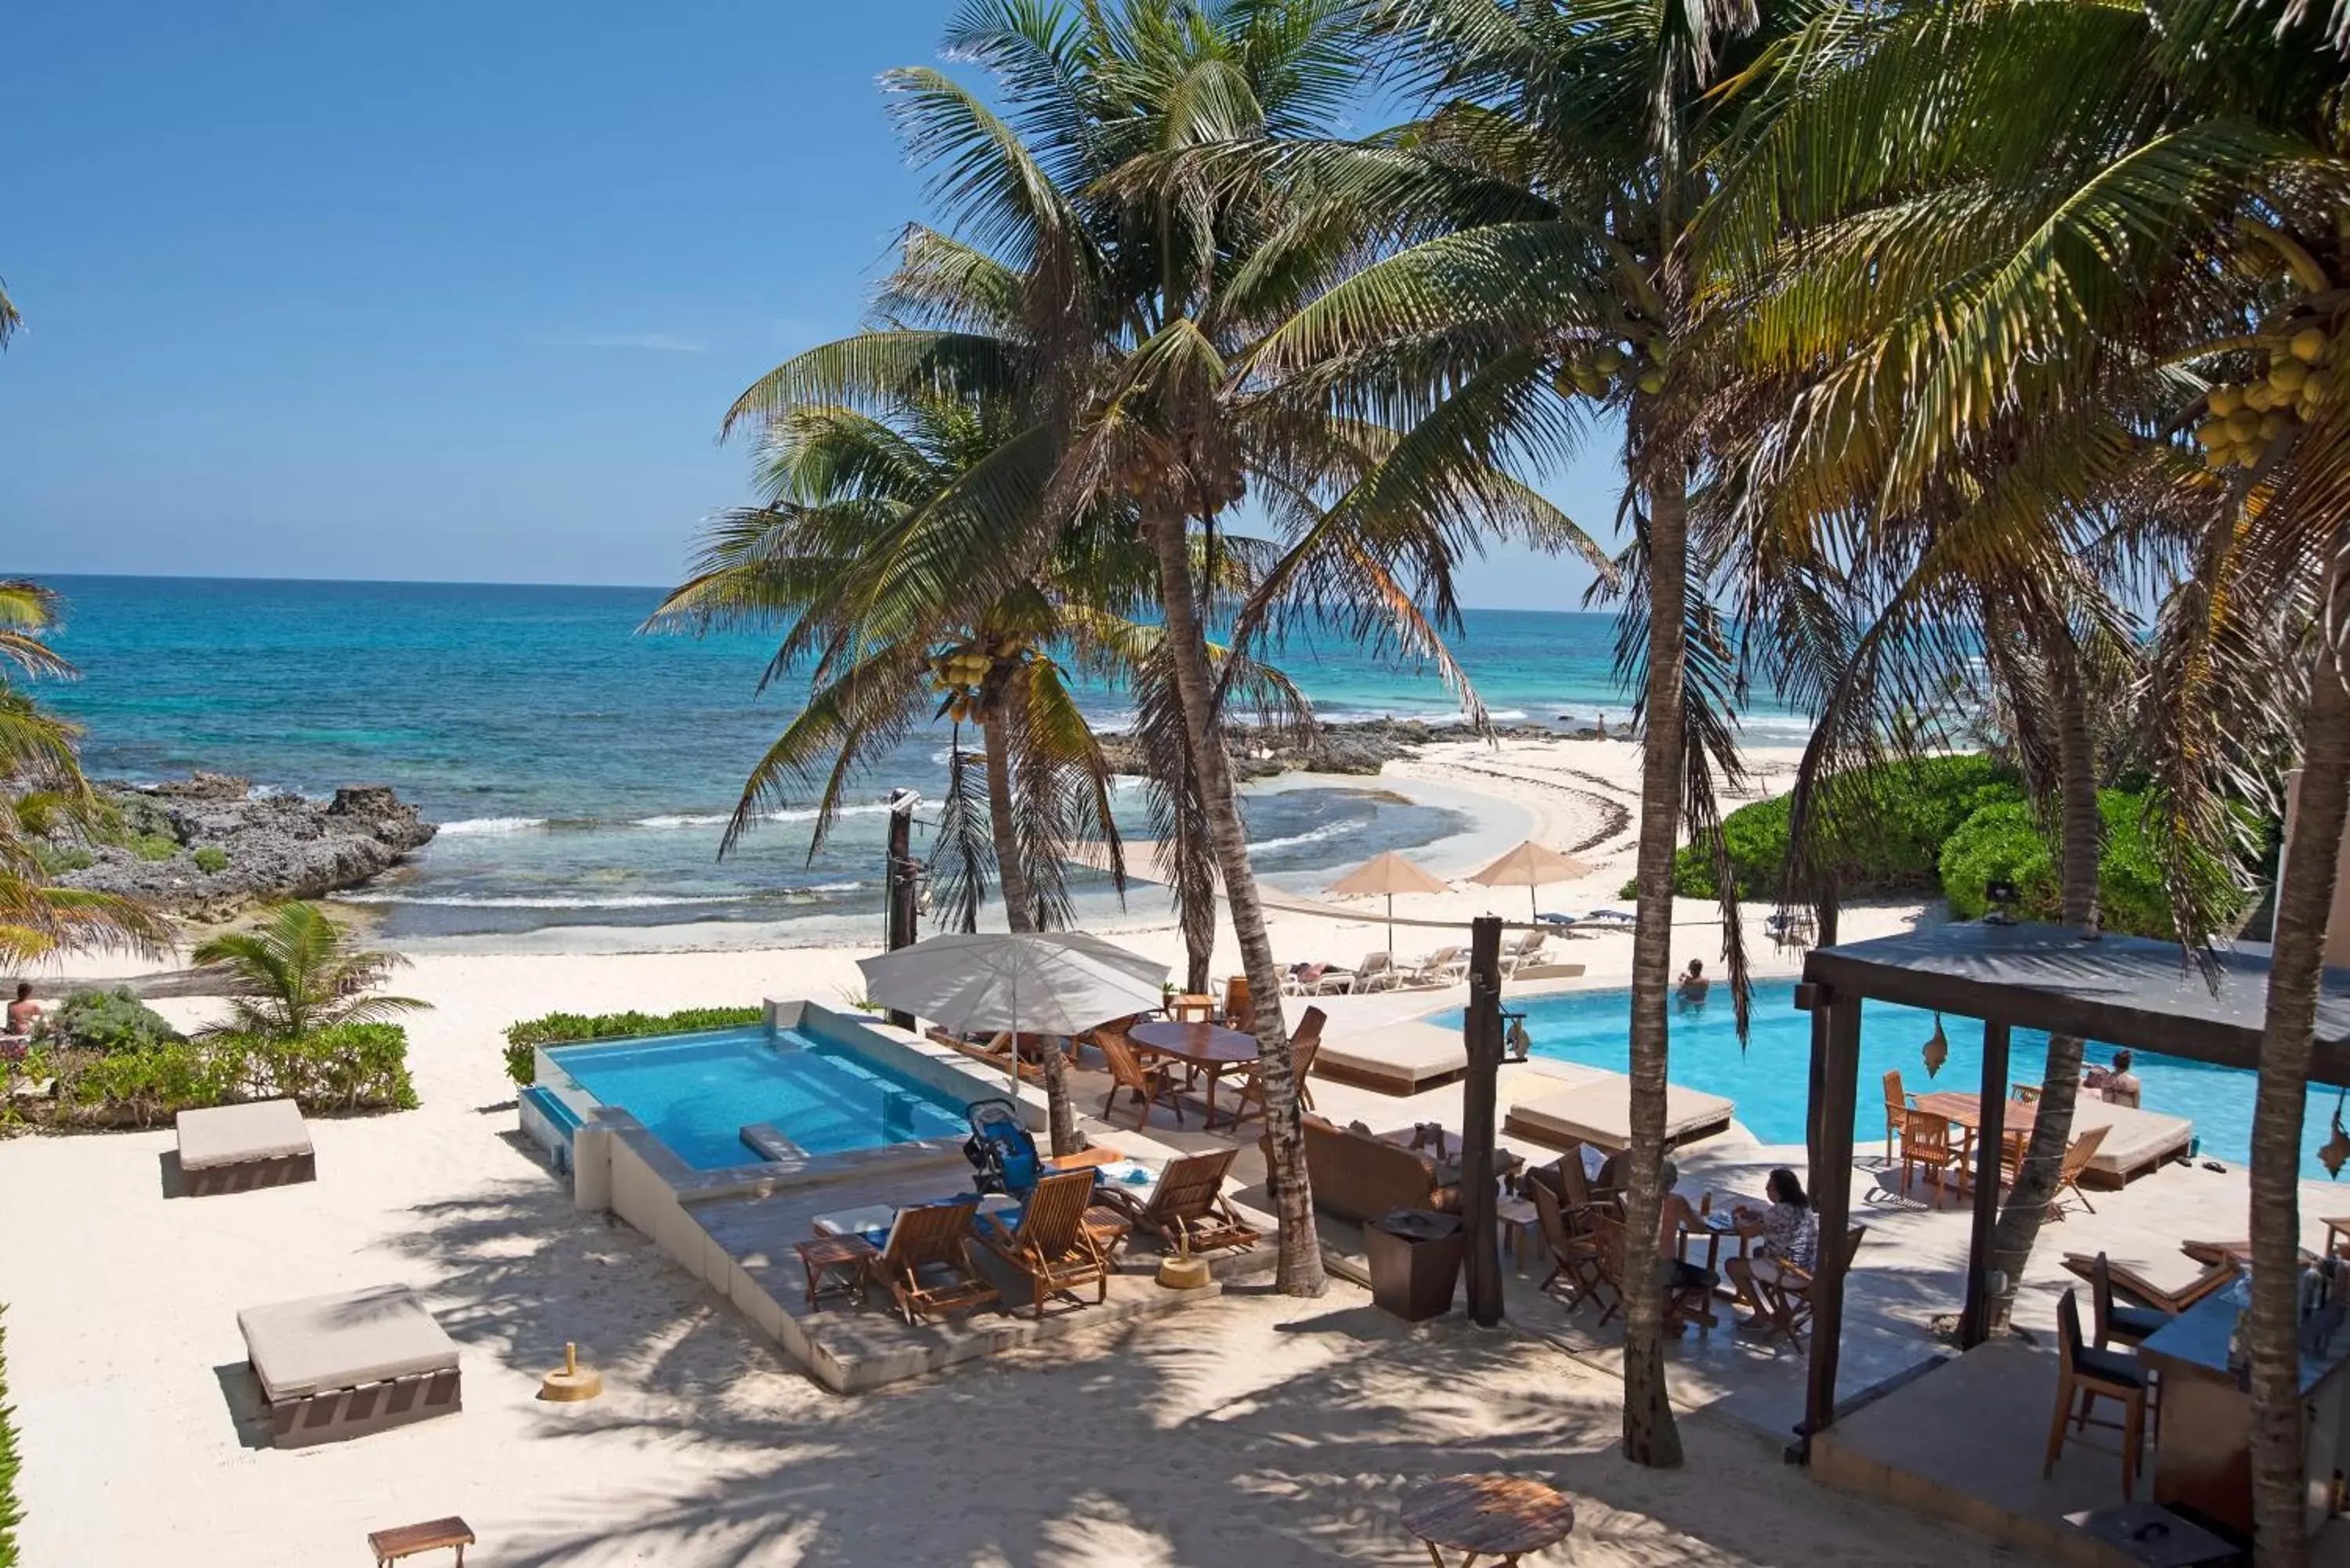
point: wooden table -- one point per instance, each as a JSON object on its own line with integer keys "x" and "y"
{"x": 1965, "y": 1111}
{"x": 408, "y": 1540}
{"x": 1500, "y": 1517}
{"x": 835, "y": 1263}
{"x": 1212, "y": 1048}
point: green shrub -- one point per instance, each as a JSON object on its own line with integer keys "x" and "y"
{"x": 9, "y": 1515}
{"x": 57, "y": 860}
{"x": 2004, "y": 843}
{"x": 342, "y": 1067}
{"x": 153, "y": 846}
{"x": 108, "y": 1021}
{"x": 212, "y": 858}
{"x": 572, "y": 1028}
{"x": 1895, "y": 819}
{"x": 522, "y": 1065}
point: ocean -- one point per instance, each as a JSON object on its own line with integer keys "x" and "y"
{"x": 582, "y": 773}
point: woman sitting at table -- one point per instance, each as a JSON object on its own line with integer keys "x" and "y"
{"x": 1788, "y": 1233}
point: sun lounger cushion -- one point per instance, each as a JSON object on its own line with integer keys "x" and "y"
{"x": 241, "y": 1134}
{"x": 1401, "y": 1058}
{"x": 1598, "y": 1110}
{"x": 303, "y": 1347}
{"x": 2136, "y": 1140}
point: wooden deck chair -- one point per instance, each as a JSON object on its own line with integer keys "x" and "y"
{"x": 1926, "y": 1141}
{"x": 1187, "y": 1210}
{"x": 1077, "y": 1043}
{"x": 2077, "y": 1156}
{"x": 1052, "y": 1246}
{"x": 2085, "y": 1376}
{"x": 1151, "y": 1086}
{"x": 1607, "y": 1260}
{"x": 1896, "y": 1107}
{"x": 926, "y": 1264}
{"x": 1573, "y": 1249}
{"x": 2138, "y": 1287}
{"x": 1782, "y": 1292}
{"x": 1303, "y": 1045}
{"x": 1240, "y": 1008}
{"x": 995, "y": 1051}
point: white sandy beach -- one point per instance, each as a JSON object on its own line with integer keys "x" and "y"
{"x": 1254, "y": 1429}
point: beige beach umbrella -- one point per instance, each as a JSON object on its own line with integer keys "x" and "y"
{"x": 1531, "y": 866}
{"x": 1389, "y": 873}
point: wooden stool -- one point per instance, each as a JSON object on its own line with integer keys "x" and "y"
{"x": 408, "y": 1540}
{"x": 839, "y": 1265}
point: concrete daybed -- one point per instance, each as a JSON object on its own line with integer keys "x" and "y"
{"x": 1597, "y": 1110}
{"x": 1403, "y": 1059}
{"x": 345, "y": 1365}
{"x": 2135, "y": 1142}
{"x": 235, "y": 1149}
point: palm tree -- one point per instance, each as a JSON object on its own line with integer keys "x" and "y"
{"x": 298, "y": 972}
{"x": 2085, "y": 230}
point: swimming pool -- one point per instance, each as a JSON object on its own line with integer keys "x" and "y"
{"x": 1770, "y": 1078}
{"x": 697, "y": 1092}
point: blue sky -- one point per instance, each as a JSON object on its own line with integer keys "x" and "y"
{"x": 440, "y": 291}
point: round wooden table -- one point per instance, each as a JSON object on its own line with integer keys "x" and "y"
{"x": 1500, "y": 1517}
{"x": 1212, "y": 1048}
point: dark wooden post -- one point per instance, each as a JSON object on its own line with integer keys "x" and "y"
{"x": 1832, "y": 1201}
{"x": 898, "y": 876}
{"x": 1482, "y": 1035}
{"x": 1974, "y": 1324}
{"x": 1819, "y": 1083}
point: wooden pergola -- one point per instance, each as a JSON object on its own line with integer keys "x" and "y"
{"x": 2123, "y": 990}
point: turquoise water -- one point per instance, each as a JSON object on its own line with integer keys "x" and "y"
{"x": 1770, "y": 1079}
{"x": 697, "y": 1092}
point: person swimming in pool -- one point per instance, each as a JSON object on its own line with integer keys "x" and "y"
{"x": 1694, "y": 985}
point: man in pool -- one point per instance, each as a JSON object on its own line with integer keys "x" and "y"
{"x": 1693, "y": 984}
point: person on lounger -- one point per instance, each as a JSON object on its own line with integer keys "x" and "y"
{"x": 1785, "y": 1233}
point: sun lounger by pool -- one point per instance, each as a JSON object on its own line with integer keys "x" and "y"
{"x": 1597, "y": 1110}
{"x": 235, "y": 1149}
{"x": 1402, "y": 1060}
{"x": 2136, "y": 1141}
{"x": 341, "y": 1365}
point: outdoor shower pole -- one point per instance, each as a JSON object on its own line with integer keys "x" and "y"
{"x": 899, "y": 879}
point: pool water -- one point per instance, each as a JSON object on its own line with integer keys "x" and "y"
{"x": 697, "y": 1092}
{"x": 1770, "y": 1079}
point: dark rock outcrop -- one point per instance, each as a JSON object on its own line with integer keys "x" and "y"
{"x": 208, "y": 846}
{"x": 1357, "y": 747}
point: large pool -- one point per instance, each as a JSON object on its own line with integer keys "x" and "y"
{"x": 1770, "y": 1079}
{"x": 697, "y": 1092}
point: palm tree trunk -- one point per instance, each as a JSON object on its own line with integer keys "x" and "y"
{"x": 2081, "y": 828}
{"x": 1650, "y": 1435}
{"x": 1020, "y": 912}
{"x": 2305, "y": 885}
{"x": 1299, "y": 1269}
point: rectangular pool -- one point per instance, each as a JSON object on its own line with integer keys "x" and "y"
{"x": 1770, "y": 1077}
{"x": 697, "y": 1092}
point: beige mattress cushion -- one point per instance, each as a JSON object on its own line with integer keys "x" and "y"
{"x": 237, "y": 1135}
{"x": 343, "y": 1340}
{"x": 1599, "y": 1111}
{"x": 1406, "y": 1052}
{"x": 2134, "y": 1139}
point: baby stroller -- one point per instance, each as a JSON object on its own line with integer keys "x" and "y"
{"x": 1000, "y": 1150}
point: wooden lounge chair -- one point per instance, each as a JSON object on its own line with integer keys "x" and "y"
{"x": 1782, "y": 1292}
{"x": 1303, "y": 1047}
{"x": 1187, "y": 1210}
{"x": 2086, "y": 1375}
{"x": 1151, "y": 1086}
{"x": 2138, "y": 1287}
{"x": 926, "y": 1262}
{"x": 2077, "y": 1156}
{"x": 1052, "y": 1246}
{"x": 1926, "y": 1142}
{"x": 995, "y": 1051}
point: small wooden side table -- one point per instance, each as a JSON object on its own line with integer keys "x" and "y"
{"x": 836, "y": 1265}
{"x": 408, "y": 1540}
{"x": 1518, "y": 1219}
{"x": 1500, "y": 1517}
{"x": 1192, "y": 1007}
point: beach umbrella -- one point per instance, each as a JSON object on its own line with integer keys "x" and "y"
{"x": 1389, "y": 873}
{"x": 1037, "y": 982}
{"x": 1531, "y": 866}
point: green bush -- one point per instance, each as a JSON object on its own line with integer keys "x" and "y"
{"x": 342, "y": 1067}
{"x": 572, "y": 1028}
{"x": 108, "y": 1021}
{"x": 1897, "y": 815}
{"x": 2004, "y": 843}
{"x": 9, "y": 1515}
{"x": 153, "y": 845}
{"x": 212, "y": 858}
{"x": 57, "y": 860}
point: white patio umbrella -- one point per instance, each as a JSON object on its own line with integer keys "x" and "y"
{"x": 1531, "y": 866}
{"x": 1037, "y": 982}
{"x": 1389, "y": 873}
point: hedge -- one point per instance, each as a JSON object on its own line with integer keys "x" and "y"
{"x": 345, "y": 1067}
{"x": 2004, "y": 843}
{"x": 105, "y": 1022}
{"x": 523, "y": 1039}
{"x": 9, "y": 1515}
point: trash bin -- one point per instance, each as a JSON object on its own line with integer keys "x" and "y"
{"x": 1415, "y": 1258}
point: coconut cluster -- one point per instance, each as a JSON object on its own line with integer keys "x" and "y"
{"x": 960, "y": 672}
{"x": 1594, "y": 369}
{"x": 2246, "y": 419}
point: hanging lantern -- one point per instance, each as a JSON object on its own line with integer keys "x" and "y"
{"x": 1938, "y": 1048}
{"x": 2336, "y": 1152}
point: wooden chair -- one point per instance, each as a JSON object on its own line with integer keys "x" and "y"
{"x": 1926, "y": 1141}
{"x": 1240, "y": 1011}
{"x": 2082, "y": 1150}
{"x": 1897, "y": 1108}
{"x": 1052, "y": 1246}
{"x": 1302, "y": 1048}
{"x": 1151, "y": 1086}
{"x": 995, "y": 1051}
{"x": 2086, "y": 1375}
{"x": 926, "y": 1264}
{"x": 1077, "y": 1043}
{"x": 1574, "y": 1253}
{"x": 1782, "y": 1292}
{"x": 2130, "y": 1282}
{"x": 1187, "y": 1210}
{"x": 1607, "y": 1260}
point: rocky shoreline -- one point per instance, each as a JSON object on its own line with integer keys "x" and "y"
{"x": 1359, "y": 747}
{"x": 207, "y": 846}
